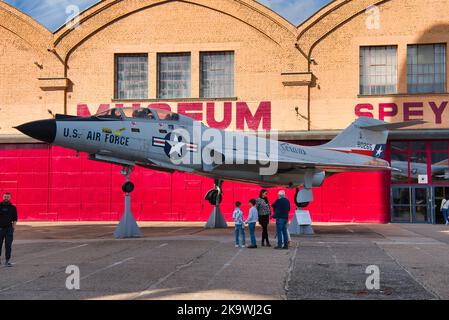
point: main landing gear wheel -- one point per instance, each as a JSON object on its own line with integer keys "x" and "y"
{"x": 301, "y": 222}
{"x": 299, "y": 204}
{"x": 214, "y": 197}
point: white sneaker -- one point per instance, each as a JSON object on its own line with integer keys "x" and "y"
{"x": 237, "y": 246}
{"x": 242, "y": 246}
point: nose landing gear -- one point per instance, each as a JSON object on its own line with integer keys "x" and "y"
{"x": 127, "y": 227}
{"x": 214, "y": 196}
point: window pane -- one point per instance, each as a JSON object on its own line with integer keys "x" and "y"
{"x": 401, "y": 204}
{"x": 418, "y": 165}
{"x": 401, "y": 196}
{"x": 439, "y": 167}
{"x": 139, "y": 113}
{"x": 167, "y": 115}
{"x": 217, "y": 74}
{"x": 439, "y": 145}
{"x": 421, "y": 199}
{"x": 425, "y": 54}
{"x": 378, "y": 70}
{"x": 418, "y": 145}
{"x": 131, "y": 77}
{"x": 113, "y": 113}
{"x": 399, "y": 146}
{"x": 401, "y": 214}
{"x": 399, "y": 162}
{"x": 174, "y": 75}
{"x": 426, "y": 72}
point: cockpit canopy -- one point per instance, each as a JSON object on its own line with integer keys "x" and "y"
{"x": 140, "y": 113}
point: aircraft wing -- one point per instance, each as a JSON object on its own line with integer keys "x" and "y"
{"x": 298, "y": 166}
{"x": 338, "y": 167}
{"x": 252, "y": 162}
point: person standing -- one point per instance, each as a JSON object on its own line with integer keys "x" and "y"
{"x": 263, "y": 209}
{"x": 445, "y": 210}
{"x": 281, "y": 210}
{"x": 8, "y": 220}
{"x": 237, "y": 216}
{"x": 251, "y": 222}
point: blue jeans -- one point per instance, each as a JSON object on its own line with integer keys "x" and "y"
{"x": 252, "y": 233}
{"x": 281, "y": 232}
{"x": 239, "y": 229}
{"x": 445, "y": 213}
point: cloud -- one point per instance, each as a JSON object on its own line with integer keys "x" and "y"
{"x": 54, "y": 13}
{"x": 295, "y": 11}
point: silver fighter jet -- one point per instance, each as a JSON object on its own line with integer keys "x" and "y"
{"x": 166, "y": 141}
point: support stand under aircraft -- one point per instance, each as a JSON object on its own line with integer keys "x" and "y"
{"x": 127, "y": 227}
{"x": 214, "y": 196}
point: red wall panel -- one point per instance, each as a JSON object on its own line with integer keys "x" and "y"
{"x": 155, "y": 195}
{"x": 53, "y": 184}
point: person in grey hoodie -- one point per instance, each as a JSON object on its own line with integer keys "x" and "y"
{"x": 251, "y": 222}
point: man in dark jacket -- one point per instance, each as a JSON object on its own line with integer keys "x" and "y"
{"x": 281, "y": 209}
{"x": 8, "y": 220}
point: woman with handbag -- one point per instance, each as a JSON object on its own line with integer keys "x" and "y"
{"x": 263, "y": 208}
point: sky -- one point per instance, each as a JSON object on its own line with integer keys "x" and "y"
{"x": 54, "y": 13}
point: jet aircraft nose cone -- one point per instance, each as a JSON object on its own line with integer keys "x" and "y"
{"x": 43, "y": 130}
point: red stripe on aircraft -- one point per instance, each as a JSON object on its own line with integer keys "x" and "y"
{"x": 356, "y": 151}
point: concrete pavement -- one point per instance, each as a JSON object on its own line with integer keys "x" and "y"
{"x": 185, "y": 261}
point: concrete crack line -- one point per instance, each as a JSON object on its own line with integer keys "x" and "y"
{"x": 123, "y": 261}
{"x": 108, "y": 267}
{"x": 51, "y": 253}
{"x": 334, "y": 256}
{"x": 178, "y": 268}
{"x": 176, "y": 230}
{"x": 227, "y": 264}
{"x": 62, "y": 269}
{"x": 48, "y": 274}
{"x": 288, "y": 275}
{"x": 422, "y": 284}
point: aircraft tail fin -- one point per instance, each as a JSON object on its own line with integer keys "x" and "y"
{"x": 366, "y": 136}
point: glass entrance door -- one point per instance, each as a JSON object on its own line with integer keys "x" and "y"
{"x": 411, "y": 204}
{"x": 422, "y": 211}
{"x": 401, "y": 206}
